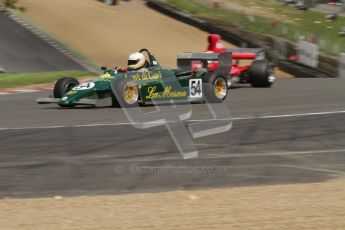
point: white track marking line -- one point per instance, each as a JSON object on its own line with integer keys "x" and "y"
{"x": 291, "y": 115}
{"x": 33, "y": 127}
{"x": 264, "y": 154}
{"x": 189, "y": 121}
{"x": 20, "y": 91}
{"x": 25, "y": 90}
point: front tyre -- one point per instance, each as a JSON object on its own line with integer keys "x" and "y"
{"x": 261, "y": 74}
{"x": 63, "y": 85}
{"x": 216, "y": 89}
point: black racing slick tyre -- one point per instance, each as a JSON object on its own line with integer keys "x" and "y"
{"x": 63, "y": 85}
{"x": 260, "y": 74}
{"x": 215, "y": 89}
{"x": 125, "y": 94}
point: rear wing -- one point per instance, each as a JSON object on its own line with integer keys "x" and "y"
{"x": 185, "y": 60}
{"x": 248, "y": 53}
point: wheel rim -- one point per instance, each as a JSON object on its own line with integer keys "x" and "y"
{"x": 130, "y": 94}
{"x": 69, "y": 86}
{"x": 220, "y": 88}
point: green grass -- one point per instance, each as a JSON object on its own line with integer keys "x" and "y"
{"x": 287, "y": 27}
{"x": 12, "y": 80}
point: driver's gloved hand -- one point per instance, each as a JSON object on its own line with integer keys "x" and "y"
{"x": 120, "y": 69}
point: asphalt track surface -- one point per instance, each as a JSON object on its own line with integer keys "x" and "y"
{"x": 23, "y": 51}
{"x": 293, "y": 132}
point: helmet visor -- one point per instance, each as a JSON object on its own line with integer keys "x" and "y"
{"x": 132, "y": 62}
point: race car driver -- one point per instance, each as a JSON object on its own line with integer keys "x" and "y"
{"x": 136, "y": 62}
{"x": 215, "y": 44}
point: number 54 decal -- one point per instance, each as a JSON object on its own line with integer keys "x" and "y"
{"x": 195, "y": 88}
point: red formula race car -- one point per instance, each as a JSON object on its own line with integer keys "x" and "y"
{"x": 255, "y": 69}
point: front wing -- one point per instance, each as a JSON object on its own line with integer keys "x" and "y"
{"x": 104, "y": 102}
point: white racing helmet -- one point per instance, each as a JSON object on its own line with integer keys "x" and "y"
{"x": 136, "y": 61}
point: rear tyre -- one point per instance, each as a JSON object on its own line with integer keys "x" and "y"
{"x": 126, "y": 94}
{"x": 215, "y": 89}
{"x": 261, "y": 74}
{"x": 63, "y": 85}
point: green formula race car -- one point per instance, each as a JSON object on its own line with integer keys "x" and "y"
{"x": 156, "y": 84}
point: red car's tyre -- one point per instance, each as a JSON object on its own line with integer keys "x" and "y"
{"x": 261, "y": 74}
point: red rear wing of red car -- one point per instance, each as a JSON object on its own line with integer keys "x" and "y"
{"x": 247, "y": 53}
